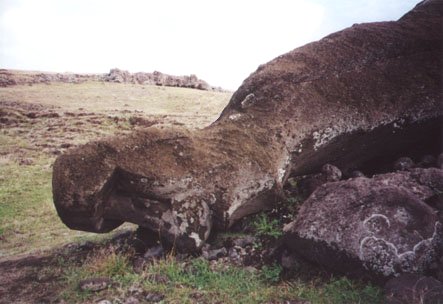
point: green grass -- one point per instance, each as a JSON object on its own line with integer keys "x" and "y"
{"x": 28, "y": 219}
{"x": 197, "y": 279}
{"x": 26, "y": 210}
{"x": 264, "y": 226}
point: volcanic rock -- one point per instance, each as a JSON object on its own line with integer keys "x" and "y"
{"x": 375, "y": 227}
{"x": 413, "y": 289}
{"x": 355, "y": 99}
{"x": 308, "y": 184}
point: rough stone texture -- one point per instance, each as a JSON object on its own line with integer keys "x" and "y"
{"x": 440, "y": 161}
{"x": 379, "y": 226}
{"x": 413, "y": 289}
{"x": 353, "y": 98}
{"x": 307, "y": 184}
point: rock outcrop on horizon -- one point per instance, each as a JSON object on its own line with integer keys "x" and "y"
{"x": 355, "y": 99}
{"x": 10, "y": 78}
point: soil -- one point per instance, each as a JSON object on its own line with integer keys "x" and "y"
{"x": 52, "y": 130}
{"x": 34, "y": 278}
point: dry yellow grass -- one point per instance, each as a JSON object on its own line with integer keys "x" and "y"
{"x": 194, "y": 108}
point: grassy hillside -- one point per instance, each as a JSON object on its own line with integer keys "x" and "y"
{"x": 43, "y": 261}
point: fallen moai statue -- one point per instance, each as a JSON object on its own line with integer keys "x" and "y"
{"x": 353, "y": 99}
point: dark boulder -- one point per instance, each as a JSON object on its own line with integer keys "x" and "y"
{"x": 371, "y": 227}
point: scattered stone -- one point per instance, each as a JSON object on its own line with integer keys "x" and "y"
{"x": 141, "y": 121}
{"x": 154, "y": 297}
{"x": 104, "y": 302}
{"x": 65, "y": 145}
{"x": 245, "y": 241}
{"x": 331, "y": 173}
{"x": 48, "y": 115}
{"x": 290, "y": 302}
{"x": 403, "y": 163}
{"x": 214, "y": 254}
{"x": 196, "y": 296}
{"x": 138, "y": 264}
{"x": 94, "y": 284}
{"x": 309, "y": 183}
{"x": 31, "y": 115}
{"x": 158, "y": 278}
{"x": 26, "y": 162}
{"x": 413, "y": 289}
{"x": 132, "y": 300}
{"x": 86, "y": 246}
{"x": 135, "y": 289}
{"x": 233, "y": 255}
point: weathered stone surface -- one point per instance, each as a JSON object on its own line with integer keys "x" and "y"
{"x": 413, "y": 289}
{"x": 440, "y": 161}
{"x": 380, "y": 226}
{"x": 352, "y": 99}
{"x": 308, "y": 184}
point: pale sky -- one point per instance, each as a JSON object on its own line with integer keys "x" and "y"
{"x": 221, "y": 42}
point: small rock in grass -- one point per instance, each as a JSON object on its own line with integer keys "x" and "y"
{"x": 94, "y": 284}
{"x": 131, "y": 300}
{"x": 245, "y": 241}
{"x": 138, "y": 264}
{"x": 215, "y": 254}
{"x": 154, "y": 297}
{"x": 26, "y": 162}
{"x": 159, "y": 278}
